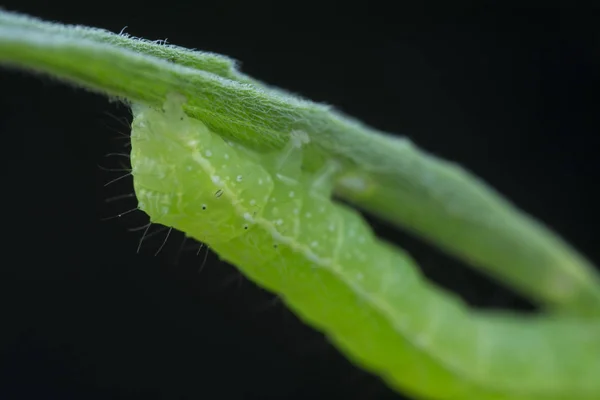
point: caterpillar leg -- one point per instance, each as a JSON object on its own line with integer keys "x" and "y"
{"x": 173, "y": 106}
{"x": 287, "y": 163}
{"x": 323, "y": 182}
{"x": 286, "y": 166}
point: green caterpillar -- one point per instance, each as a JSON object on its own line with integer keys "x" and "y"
{"x": 279, "y": 226}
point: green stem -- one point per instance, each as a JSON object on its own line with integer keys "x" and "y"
{"x": 385, "y": 175}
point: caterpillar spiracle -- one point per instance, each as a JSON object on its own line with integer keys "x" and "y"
{"x": 280, "y": 227}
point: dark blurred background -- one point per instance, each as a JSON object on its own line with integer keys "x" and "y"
{"x": 510, "y": 93}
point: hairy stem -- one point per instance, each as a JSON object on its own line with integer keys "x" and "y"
{"x": 382, "y": 174}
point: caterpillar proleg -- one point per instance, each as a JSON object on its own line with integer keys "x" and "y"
{"x": 280, "y": 227}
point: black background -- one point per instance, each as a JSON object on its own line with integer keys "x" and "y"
{"x": 511, "y": 93}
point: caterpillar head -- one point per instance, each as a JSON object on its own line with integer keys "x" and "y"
{"x": 189, "y": 178}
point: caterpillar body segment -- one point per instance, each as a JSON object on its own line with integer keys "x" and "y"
{"x": 279, "y": 226}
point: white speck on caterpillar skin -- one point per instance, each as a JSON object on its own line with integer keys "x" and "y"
{"x": 208, "y": 153}
{"x": 216, "y": 179}
{"x": 238, "y": 178}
